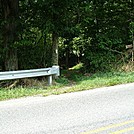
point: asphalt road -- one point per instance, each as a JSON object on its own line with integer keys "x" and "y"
{"x": 99, "y": 111}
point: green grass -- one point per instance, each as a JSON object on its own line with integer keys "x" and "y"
{"x": 95, "y": 81}
{"x": 17, "y": 93}
{"x": 71, "y": 81}
{"x": 104, "y": 79}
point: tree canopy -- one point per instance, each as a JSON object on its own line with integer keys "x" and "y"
{"x": 41, "y": 33}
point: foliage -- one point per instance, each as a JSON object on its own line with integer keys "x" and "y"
{"x": 92, "y": 32}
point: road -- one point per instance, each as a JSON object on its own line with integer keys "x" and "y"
{"x": 99, "y": 111}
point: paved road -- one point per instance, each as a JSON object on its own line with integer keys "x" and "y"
{"x": 101, "y": 111}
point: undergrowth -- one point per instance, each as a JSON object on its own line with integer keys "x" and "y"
{"x": 72, "y": 80}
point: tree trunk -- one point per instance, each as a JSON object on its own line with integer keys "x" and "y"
{"x": 10, "y": 15}
{"x": 67, "y": 57}
{"x": 54, "y": 48}
{"x": 44, "y": 52}
{"x": 11, "y": 60}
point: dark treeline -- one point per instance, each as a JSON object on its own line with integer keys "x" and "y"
{"x": 41, "y": 33}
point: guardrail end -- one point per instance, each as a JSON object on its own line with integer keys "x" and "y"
{"x": 57, "y": 68}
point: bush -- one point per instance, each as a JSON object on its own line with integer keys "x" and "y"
{"x": 99, "y": 60}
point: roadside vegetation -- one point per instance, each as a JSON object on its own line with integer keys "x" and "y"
{"x": 72, "y": 80}
{"x": 91, "y": 41}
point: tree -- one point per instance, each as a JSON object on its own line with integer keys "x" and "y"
{"x": 91, "y": 31}
{"x": 10, "y": 16}
{"x": 55, "y": 17}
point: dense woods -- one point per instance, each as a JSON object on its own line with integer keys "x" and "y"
{"x": 42, "y": 33}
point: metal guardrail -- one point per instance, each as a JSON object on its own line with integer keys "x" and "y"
{"x": 49, "y": 72}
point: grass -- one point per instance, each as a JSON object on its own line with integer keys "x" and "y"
{"x": 17, "y": 93}
{"x": 71, "y": 81}
{"x": 104, "y": 79}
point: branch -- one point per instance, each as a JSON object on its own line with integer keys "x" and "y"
{"x": 112, "y": 50}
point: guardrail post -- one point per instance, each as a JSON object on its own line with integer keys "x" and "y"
{"x": 50, "y": 80}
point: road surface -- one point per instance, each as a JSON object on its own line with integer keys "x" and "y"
{"x": 99, "y": 111}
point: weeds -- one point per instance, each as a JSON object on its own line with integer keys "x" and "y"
{"x": 69, "y": 81}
